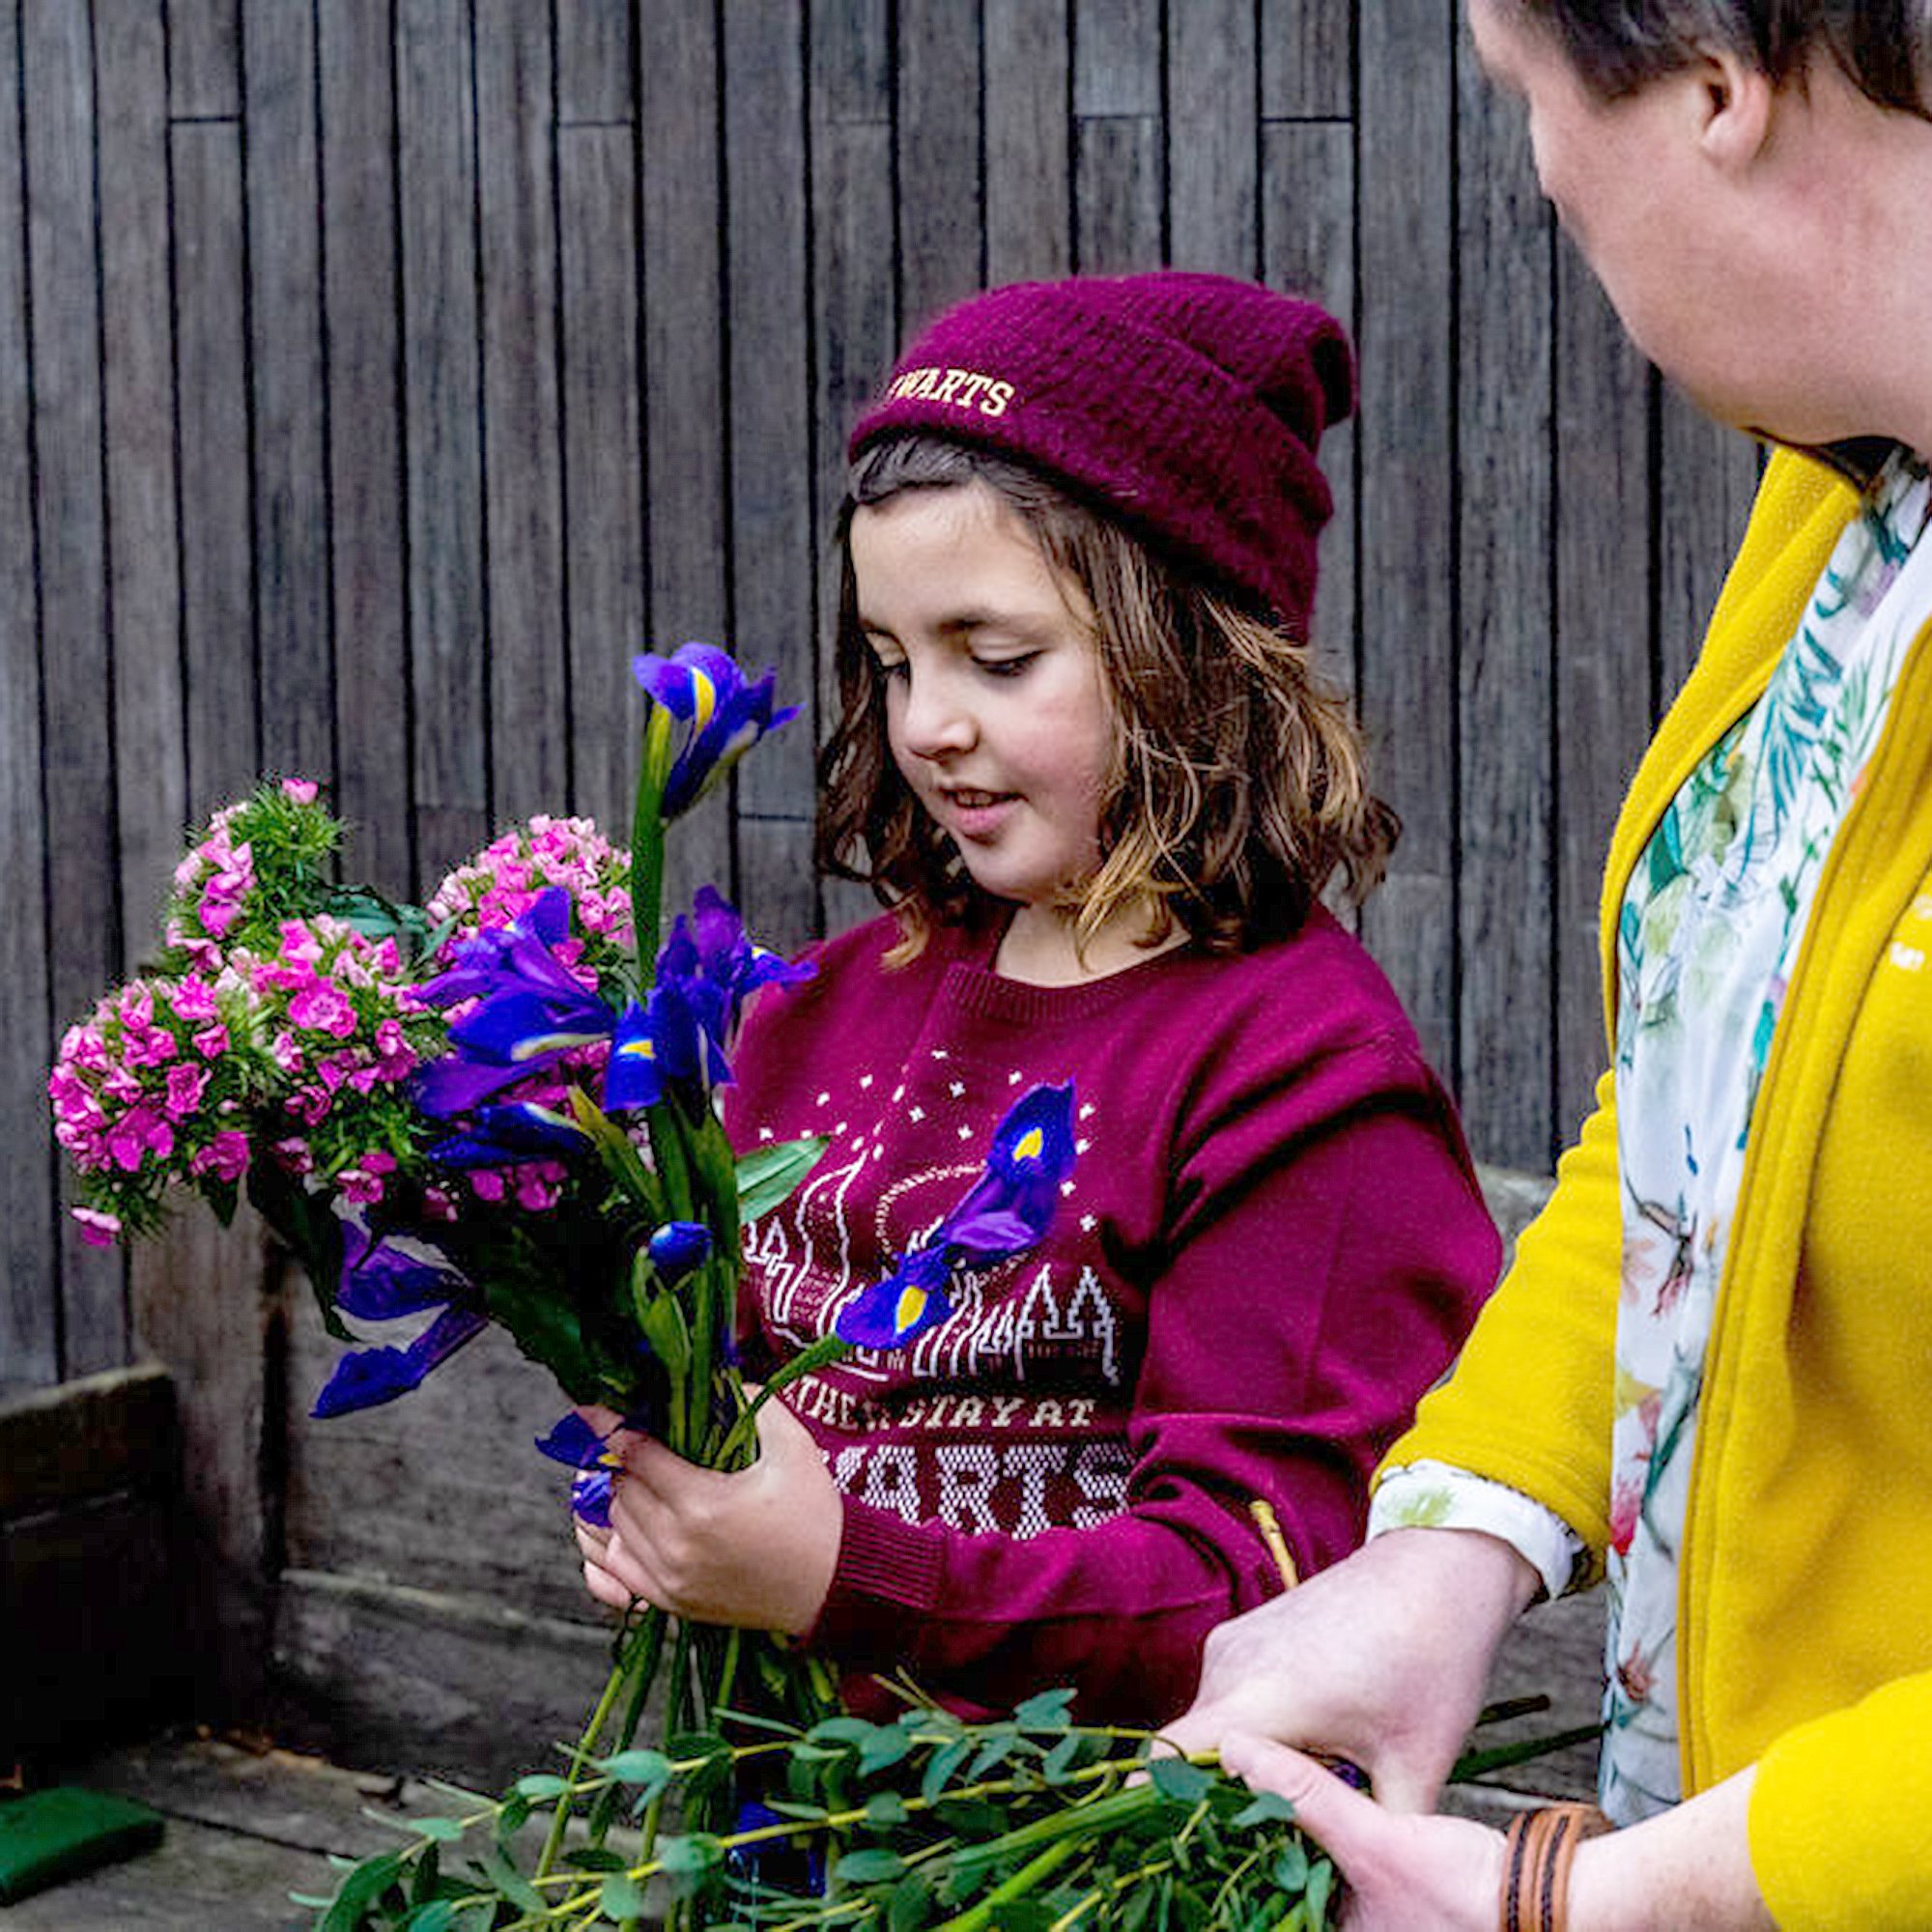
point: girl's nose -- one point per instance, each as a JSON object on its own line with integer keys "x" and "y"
{"x": 937, "y": 723}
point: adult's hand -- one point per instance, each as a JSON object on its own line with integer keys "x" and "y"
{"x": 1381, "y": 1659}
{"x": 755, "y": 1548}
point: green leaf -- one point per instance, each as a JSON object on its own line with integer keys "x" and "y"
{"x": 540, "y": 1785}
{"x": 620, "y": 1158}
{"x": 946, "y": 1760}
{"x": 438, "y": 1916}
{"x": 1046, "y": 1710}
{"x": 998, "y": 1748}
{"x": 688, "y": 1859}
{"x": 360, "y": 1890}
{"x": 1321, "y": 1887}
{"x": 885, "y": 1747}
{"x": 509, "y": 1881}
{"x": 869, "y": 1867}
{"x": 909, "y": 1904}
{"x": 1265, "y": 1808}
{"x": 1064, "y": 1758}
{"x": 885, "y": 1809}
{"x": 1291, "y": 1869}
{"x": 446, "y": 1830}
{"x": 649, "y": 1768}
{"x": 1175, "y": 1778}
{"x": 622, "y": 1897}
{"x": 767, "y": 1176}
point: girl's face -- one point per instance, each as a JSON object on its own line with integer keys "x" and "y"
{"x": 995, "y": 708}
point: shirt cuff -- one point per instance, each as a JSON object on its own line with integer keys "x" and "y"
{"x": 1436, "y": 1495}
{"x": 886, "y": 1568}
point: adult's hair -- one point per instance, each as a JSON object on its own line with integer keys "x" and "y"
{"x": 1236, "y": 789}
{"x": 1884, "y": 47}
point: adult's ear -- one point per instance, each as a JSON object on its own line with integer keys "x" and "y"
{"x": 1733, "y": 103}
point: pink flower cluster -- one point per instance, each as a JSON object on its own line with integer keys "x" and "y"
{"x": 505, "y": 877}
{"x": 165, "y": 1083}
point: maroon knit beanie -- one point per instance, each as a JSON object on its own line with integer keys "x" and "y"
{"x": 1190, "y": 406}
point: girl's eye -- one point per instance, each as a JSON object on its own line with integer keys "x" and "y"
{"x": 892, "y": 667}
{"x": 1006, "y": 667}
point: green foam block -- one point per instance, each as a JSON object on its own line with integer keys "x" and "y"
{"x": 60, "y": 1832}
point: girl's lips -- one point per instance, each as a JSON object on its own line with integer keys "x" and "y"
{"x": 976, "y": 815}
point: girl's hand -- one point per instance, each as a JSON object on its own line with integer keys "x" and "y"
{"x": 1401, "y": 1871}
{"x": 755, "y": 1548}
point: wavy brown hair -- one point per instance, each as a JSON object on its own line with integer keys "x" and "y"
{"x": 1237, "y": 790}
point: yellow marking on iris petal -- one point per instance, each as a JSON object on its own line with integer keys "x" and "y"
{"x": 643, "y": 1048}
{"x": 703, "y": 700}
{"x": 908, "y": 1308}
{"x": 1029, "y": 1145}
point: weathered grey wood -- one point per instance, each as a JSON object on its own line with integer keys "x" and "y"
{"x": 86, "y": 1438}
{"x": 593, "y": 60}
{"x": 686, "y": 456}
{"x": 941, "y": 143}
{"x": 1603, "y": 545}
{"x": 1214, "y": 157}
{"x": 1406, "y": 438}
{"x": 29, "y": 1290}
{"x": 289, "y": 450}
{"x": 82, "y": 875}
{"x": 1507, "y": 622}
{"x": 530, "y": 720}
{"x": 854, "y": 325}
{"x": 1029, "y": 153}
{"x": 605, "y": 568}
{"x": 443, "y": 1490}
{"x": 769, "y": 371}
{"x": 207, "y": 1306}
{"x": 1118, "y": 187}
{"x": 144, "y": 578}
{"x": 405, "y": 1679}
{"x": 1707, "y": 478}
{"x": 223, "y": 751}
{"x": 204, "y": 59}
{"x": 1307, "y": 56}
{"x": 365, "y": 483}
{"x": 1308, "y": 214}
{"x": 442, "y": 429}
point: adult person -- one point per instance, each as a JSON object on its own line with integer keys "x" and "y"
{"x": 1705, "y": 1374}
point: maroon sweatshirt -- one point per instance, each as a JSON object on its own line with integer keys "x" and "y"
{"x": 1271, "y": 1244}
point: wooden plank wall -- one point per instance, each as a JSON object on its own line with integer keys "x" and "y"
{"x": 376, "y": 375}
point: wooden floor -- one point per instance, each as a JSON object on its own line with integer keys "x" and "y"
{"x": 246, "y": 1828}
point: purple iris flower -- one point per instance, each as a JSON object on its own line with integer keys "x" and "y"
{"x": 572, "y": 1442}
{"x": 380, "y": 1283}
{"x": 1004, "y": 1213}
{"x": 724, "y": 715}
{"x": 530, "y": 1008}
{"x": 706, "y": 970}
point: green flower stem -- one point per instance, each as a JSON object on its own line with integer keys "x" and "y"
{"x": 649, "y": 1646}
{"x": 586, "y": 1749}
{"x": 647, "y": 845}
{"x": 1022, "y": 1882}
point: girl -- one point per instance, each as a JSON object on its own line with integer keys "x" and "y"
{"x": 1085, "y": 759}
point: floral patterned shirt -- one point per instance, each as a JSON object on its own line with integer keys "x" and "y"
{"x": 1709, "y": 931}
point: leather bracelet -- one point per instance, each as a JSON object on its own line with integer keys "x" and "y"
{"x": 1537, "y": 1851}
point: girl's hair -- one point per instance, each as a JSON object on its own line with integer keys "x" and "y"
{"x": 1883, "y": 46}
{"x": 1235, "y": 791}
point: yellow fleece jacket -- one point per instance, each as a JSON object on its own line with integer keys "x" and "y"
{"x": 1804, "y": 1626}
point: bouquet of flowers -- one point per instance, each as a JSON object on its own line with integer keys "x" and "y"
{"x": 499, "y": 1107}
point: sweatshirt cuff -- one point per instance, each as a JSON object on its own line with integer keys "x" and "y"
{"x": 886, "y": 1568}
{"x": 1435, "y": 1496}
